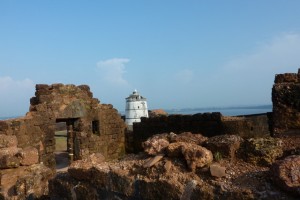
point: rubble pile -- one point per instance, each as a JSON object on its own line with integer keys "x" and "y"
{"x": 173, "y": 167}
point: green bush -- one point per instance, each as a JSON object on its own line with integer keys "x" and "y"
{"x": 218, "y": 156}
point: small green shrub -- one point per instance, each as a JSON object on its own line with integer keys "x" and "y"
{"x": 218, "y": 156}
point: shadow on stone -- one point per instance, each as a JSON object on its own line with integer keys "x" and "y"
{"x": 62, "y": 160}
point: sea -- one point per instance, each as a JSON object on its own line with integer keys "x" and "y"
{"x": 10, "y": 117}
{"x": 225, "y": 111}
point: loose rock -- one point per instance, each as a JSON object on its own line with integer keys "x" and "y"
{"x": 224, "y": 145}
{"x": 217, "y": 170}
{"x": 152, "y": 161}
{"x": 168, "y": 166}
{"x": 196, "y": 156}
{"x": 286, "y": 173}
{"x": 156, "y": 144}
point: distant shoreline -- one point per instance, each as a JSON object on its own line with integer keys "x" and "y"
{"x": 226, "y": 111}
{"x": 223, "y": 108}
{"x": 12, "y": 117}
{"x": 230, "y": 110}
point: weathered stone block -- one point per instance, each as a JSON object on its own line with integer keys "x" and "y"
{"x": 28, "y": 156}
{"x": 286, "y": 174}
{"x": 41, "y": 86}
{"x": 8, "y": 141}
{"x": 286, "y": 78}
{"x": 3, "y": 126}
{"x": 262, "y": 151}
{"x": 217, "y": 170}
{"x": 156, "y": 144}
{"x": 56, "y": 86}
{"x": 196, "y": 156}
{"x": 9, "y": 161}
{"x": 9, "y": 151}
{"x": 224, "y": 145}
{"x": 15, "y": 125}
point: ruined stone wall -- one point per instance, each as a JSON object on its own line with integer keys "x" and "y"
{"x": 286, "y": 103}
{"x": 23, "y": 150}
{"x": 17, "y": 135}
{"x": 92, "y": 128}
{"x": 208, "y": 124}
{"x": 248, "y": 126}
{"x": 95, "y": 127}
{"x": 109, "y": 140}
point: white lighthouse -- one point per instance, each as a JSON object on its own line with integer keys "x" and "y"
{"x": 136, "y": 107}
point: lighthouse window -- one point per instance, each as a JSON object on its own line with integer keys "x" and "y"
{"x": 95, "y": 127}
{"x": 138, "y": 107}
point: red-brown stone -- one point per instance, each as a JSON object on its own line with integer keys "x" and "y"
{"x": 28, "y": 156}
{"x": 92, "y": 128}
{"x": 286, "y": 174}
{"x": 224, "y": 145}
{"x": 286, "y": 104}
{"x": 156, "y": 144}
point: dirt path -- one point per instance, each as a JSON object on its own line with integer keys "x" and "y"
{"x": 62, "y": 161}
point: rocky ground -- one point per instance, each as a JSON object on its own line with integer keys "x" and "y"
{"x": 188, "y": 166}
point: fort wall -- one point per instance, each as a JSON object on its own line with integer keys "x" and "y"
{"x": 208, "y": 124}
{"x": 247, "y": 126}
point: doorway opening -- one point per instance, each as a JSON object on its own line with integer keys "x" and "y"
{"x": 65, "y": 143}
{"x": 61, "y": 150}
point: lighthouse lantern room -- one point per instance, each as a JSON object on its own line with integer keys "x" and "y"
{"x": 136, "y": 107}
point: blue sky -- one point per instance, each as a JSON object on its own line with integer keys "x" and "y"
{"x": 178, "y": 54}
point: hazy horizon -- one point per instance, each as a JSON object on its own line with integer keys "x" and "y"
{"x": 177, "y": 54}
{"x": 230, "y": 111}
